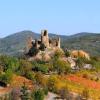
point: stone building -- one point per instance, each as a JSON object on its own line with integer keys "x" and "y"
{"x": 44, "y": 40}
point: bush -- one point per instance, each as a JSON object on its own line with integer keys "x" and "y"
{"x": 38, "y": 94}
{"x": 6, "y": 77}
{"x": 40, "y": 79}
{"x": 24, "y": 93}
{"x": 45, "y": 90}
{"x": 52, "y": 80}
{"x": 58, "y": 53}
{"x": 61, "y": 66}
{"x": 24, "y": 67}
{"x": 30, "y": 75}
{"x": 41, "y": 67}
{"x": 9, "y": 63}
{"x": 67, "y": 53}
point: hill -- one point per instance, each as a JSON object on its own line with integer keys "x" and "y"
{"x": 88, "y": 42}
{"x": 15, "y": 43}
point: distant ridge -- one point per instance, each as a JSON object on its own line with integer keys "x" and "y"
{"x": 15, "y": 43}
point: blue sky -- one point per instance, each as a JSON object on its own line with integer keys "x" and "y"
{"x": 58, "y": 16}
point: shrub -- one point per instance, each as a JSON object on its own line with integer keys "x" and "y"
{"x": 52, "y": 80}
{"x": 38, "y": 94}
{"x": 24, "y": 67}
{"x": 58, "y": 53}
{"x": 41, "y": 67}
{"x": 67, "y": 53}
{"x": 40, "y": 79}
{"x": 24, "y": 93}
{"x": 9, "y": 63}
{"x": 30, "y": 75}
{"x": 6, "y": 77}
{"x": 61, "y": 66}
{"x": 45, "y": 90}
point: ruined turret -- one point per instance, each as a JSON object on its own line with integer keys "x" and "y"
{"x": 45, "y": 38}
{"x": 42, "y": 44}
{"x": 58, "y": 42}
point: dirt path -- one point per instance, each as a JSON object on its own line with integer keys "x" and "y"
{"x": 4, "y": 91}
{"x": 50, "y": 96}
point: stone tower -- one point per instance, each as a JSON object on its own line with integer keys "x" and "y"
{"x": 59, "y": 42}
{"x": 45, "y": 38}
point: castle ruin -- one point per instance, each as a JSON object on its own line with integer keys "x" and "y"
{"x": 44, "y": 40}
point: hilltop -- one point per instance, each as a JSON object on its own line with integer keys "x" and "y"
{"x": 15, "y": 43}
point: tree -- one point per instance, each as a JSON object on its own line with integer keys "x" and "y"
{"x": 24, "y": 93}
{"x": 38, "y": 94}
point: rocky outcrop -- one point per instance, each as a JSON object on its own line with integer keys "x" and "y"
{"x": 80, "y": 53}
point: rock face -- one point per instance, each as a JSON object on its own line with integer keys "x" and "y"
{"x": 80, "y": 53}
